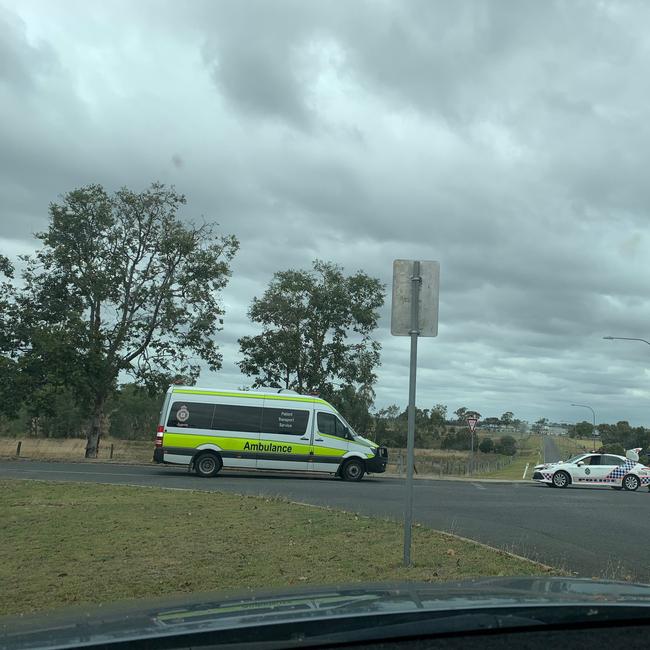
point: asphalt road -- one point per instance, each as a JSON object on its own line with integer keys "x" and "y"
{"x": 590, "y": 531}
{"x": 551, "y": 450}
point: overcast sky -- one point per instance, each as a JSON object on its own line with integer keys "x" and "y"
{"x": 509, "y": 140}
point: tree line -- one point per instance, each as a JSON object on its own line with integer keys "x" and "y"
{"x": 433, "y": 429}
{"x": 123, "y": 297}
{"x": 613, "y": 438}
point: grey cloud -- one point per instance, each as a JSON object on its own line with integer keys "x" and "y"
{"x": 21, "y": 62}
{"x": 255, "y": 67}
{"x": 258, "y": 83}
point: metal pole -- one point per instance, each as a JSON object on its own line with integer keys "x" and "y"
{"x": 410, "y": 440}
{"x": 593, "y": 417}
{"x": 624, "y": 338}
{"x": 471, "y": 456}
{"x": 593, "y": 429}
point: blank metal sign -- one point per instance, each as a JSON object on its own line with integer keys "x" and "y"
{"x": 400, "y": 320}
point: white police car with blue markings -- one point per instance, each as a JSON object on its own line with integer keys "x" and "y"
{"x": 618, "y": 472}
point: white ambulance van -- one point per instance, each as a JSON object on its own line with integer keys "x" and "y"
{"x": 276, "y": 429}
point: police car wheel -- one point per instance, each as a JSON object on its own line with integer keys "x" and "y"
{"x": 631, "y": 482}
{"x": 207, "y": 465}
{"x": 561, "y": 479}
{"x": 353, "y": 470}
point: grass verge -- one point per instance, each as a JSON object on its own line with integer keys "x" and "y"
{"x": 68, "y": 543}
{"x": 571, "y": 446}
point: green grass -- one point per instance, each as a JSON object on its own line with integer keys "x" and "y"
{"x": 571, "y": 446}
{"x": 67, "y": 543}
{"x": 530, "y": 450}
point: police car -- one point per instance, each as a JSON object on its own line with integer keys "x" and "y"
{"x": 617, "y": 472}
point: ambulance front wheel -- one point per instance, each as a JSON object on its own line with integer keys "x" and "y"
{"x": 207, "y": 465}
{"x": 353, "y": 470}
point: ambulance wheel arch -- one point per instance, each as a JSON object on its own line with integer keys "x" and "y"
{"x": 207, "y": 462}
{"x": 209, "y": 447}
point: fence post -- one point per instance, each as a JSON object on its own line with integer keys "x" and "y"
{"x": 18, "y": 446}
{"x": 111, "y": 454}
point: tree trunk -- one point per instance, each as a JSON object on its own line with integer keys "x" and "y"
{"x": 95, "y": 429}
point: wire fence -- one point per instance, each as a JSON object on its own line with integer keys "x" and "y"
{"x": 74, "y": 449}
{"x": 429, "y": 465}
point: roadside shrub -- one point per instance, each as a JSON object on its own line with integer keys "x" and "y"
{"x": 486, "y": 445}
{"x": 507, "y": 446}
{"x": 612, "y": 448}
{"x": 460, "y": 441}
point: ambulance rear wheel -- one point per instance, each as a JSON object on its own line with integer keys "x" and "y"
{"x": 353, "y": 470}
{"x": 207, "y": 465}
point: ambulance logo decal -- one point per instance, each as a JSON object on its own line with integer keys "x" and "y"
{"x": 182, "y": 415}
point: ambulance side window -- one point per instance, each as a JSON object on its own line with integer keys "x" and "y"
{"x": 287, "y": 421}
{"x": 342, "y": 430}
{"x": 229, "y": 417}
{"x": 191, "y": 415}
{"x": 330, "y": 425}
{"x": 327, "y": 424}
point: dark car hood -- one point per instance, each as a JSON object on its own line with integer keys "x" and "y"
{"x": 203, "y": 612}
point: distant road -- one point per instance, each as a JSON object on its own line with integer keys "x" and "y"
{"x": 551, "y": 450}
{"x": 593, "y": 532}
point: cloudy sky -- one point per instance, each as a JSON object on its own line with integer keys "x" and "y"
{"x": 509, "y": 140}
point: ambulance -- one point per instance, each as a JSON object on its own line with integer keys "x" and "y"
{"x": 209, "y": 429}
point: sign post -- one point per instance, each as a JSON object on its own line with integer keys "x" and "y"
{"x": 414, "y": 313}
{"x": 472, "y": 421}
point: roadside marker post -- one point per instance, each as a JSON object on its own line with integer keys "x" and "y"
{"x": 414, "y": 313}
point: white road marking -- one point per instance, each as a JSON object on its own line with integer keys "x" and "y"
{"x": 478, "y": 486}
